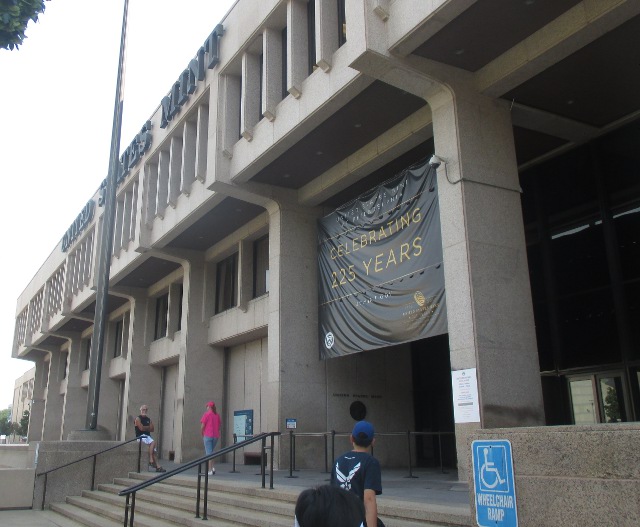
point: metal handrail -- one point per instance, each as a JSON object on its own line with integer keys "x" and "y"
{"x": 333, "y": 434}
{"x": 130, "y": 492}
{"x": 93, "y": 470}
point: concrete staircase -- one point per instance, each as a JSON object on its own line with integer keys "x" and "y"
{"x": 172, "y": 504}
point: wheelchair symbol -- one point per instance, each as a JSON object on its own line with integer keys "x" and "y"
{"x": 489, "y": 474}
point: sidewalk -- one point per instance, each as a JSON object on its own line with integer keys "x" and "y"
{"x": 428, "y": 488}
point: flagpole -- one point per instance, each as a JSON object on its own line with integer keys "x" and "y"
{"x": 106, "y": 242}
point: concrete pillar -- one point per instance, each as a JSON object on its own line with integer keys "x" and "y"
{"x": 201, "y": 369}
{"x": 489, "y": 307}
{"x": 202, "y": 131}
{"x": 36, "y": 410}
{"x": 143, "y": 383}
{"x": 326, "y": 32}
{"x": 297, "y": 46}
{"x": 52, "y": 429}
{"x": 296, "y": 382}
{"x": 175, "y": 170}
{"x": 245, "y": 274}
{"x": 189, "y": 149}
{"x": 250, "y": 107}
{"x": 162, "y": 191}
{"x": 271, "y": 71}
{"x": 75, "y": 399}
{"x": 230, "y": 95}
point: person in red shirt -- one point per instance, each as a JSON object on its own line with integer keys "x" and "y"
{"x": 210, "y": 431}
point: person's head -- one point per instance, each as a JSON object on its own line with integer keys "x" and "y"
{"x": 328, "y": 506}
{"x": 363, "y": 434}
{"x": 144, "y": 409}
{"x": 212, "y": 406}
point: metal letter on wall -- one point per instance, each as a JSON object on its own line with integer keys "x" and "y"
{"x": 381, "y": 275}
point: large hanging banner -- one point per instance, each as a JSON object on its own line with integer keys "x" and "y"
{"x": 381, "y": 277}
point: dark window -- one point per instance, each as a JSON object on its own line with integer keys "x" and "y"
{"x": 284, "y": 63}
{"x": 226, "y": 283}
{"x": 261, "y": 87}
{"x": 311, "y": 31}
{"x": 117, "y": 338}
{"x": 342, "y": 23}
{"x": 87, "y": 353}
{"x": 260, "y": 266}
{"x": 162, "y": 310}
{"x": 181, "y": 294}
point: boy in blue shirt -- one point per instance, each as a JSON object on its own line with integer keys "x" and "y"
{"x": 359, "y": 472}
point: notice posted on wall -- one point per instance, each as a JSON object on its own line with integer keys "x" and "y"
{"x": 465, "y": 396}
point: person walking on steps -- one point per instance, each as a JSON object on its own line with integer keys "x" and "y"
{"x": 144, "y": 427}
{"x": 359, "y": 472}
{"x": 210, "y": 432}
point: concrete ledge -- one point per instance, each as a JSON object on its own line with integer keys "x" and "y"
{"x": 14, "y": 456}
{"x": 573, "y": 475}
{"x": 17, "y": 488}
{"x": 72, "y": 480}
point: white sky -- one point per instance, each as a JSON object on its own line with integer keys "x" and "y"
{"x": 57, "y": 93}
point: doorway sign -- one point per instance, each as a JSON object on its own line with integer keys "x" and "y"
{"x": 495, "y": 492}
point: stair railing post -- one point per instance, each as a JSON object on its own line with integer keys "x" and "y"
{"x": 139, "y": 454}
{"x": 409, "y": 454}
{"x": 235, "y": 440}
{"x": 133, "y": 509}
{"x": 291, "y": 453}
{"x": 333, "y": 448}
{"x": 271, "y": 465}
{"x": 263, "y": 442}
{"x": 198, "y": 491}
{"x": 126, "y": 510}
{"x": 206, "y": 489}
{"x": 93, "y": 472}
{"x": 44, "y": 489}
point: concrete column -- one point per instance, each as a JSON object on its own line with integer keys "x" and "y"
{"x": 151, "y": 183}
{"x": 52, "y": 428}
{"x": 36, "y": 411}
{"x": 250, "y": 109}
{"x": 297, "y": 46}
{"x": 202, "y": 130}
{"x": 162, "y": 195}
{"x": 489, "y": 307}
{"x": 175, "y": 170}
{"x": 271, "y": 71}
{"x": 296, "y": 380}
{"x": 245, "y": 268}
{"x": 75, "y": 399}
{"x": 230, "y": 95}
{"x": 173, "y": 310}
{"x": 326, "y": 32}
{"x": 143, "y": 383}
{"x": 117, "y": 229}
{"x": 201, "y": 368}
{"x": 189, "y": 149}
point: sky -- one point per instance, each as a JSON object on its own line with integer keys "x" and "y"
{"x": 57, "y": 94}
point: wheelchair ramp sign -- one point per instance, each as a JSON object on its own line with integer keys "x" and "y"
{"x": 495, "y": 492}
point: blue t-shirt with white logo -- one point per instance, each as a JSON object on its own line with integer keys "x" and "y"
{"x": 357, "y": 472}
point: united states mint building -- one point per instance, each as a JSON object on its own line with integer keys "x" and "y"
{"x": 425, "y": 213}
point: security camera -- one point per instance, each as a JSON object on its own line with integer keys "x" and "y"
{"x": 435, "y": 161}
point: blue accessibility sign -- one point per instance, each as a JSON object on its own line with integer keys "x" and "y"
{"x": 495, "y": 492}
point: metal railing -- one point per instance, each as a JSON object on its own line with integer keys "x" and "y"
{"x": 333, "y": 434}
{"x": 130, "y": 492}
{"x": 93, "y": 468}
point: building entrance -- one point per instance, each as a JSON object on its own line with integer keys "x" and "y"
{"x": 433, "y": 405}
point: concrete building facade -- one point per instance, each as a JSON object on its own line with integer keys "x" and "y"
{"x": 293, "y": 108}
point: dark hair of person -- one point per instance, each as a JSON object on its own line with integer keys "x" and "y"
{"x": 362, "y": 440}
{"x": 328, "y": 506}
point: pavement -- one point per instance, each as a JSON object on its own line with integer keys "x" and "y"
{"x": 428, "y": 488}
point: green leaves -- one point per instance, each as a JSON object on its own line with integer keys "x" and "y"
{"x": 14, "y": 17}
